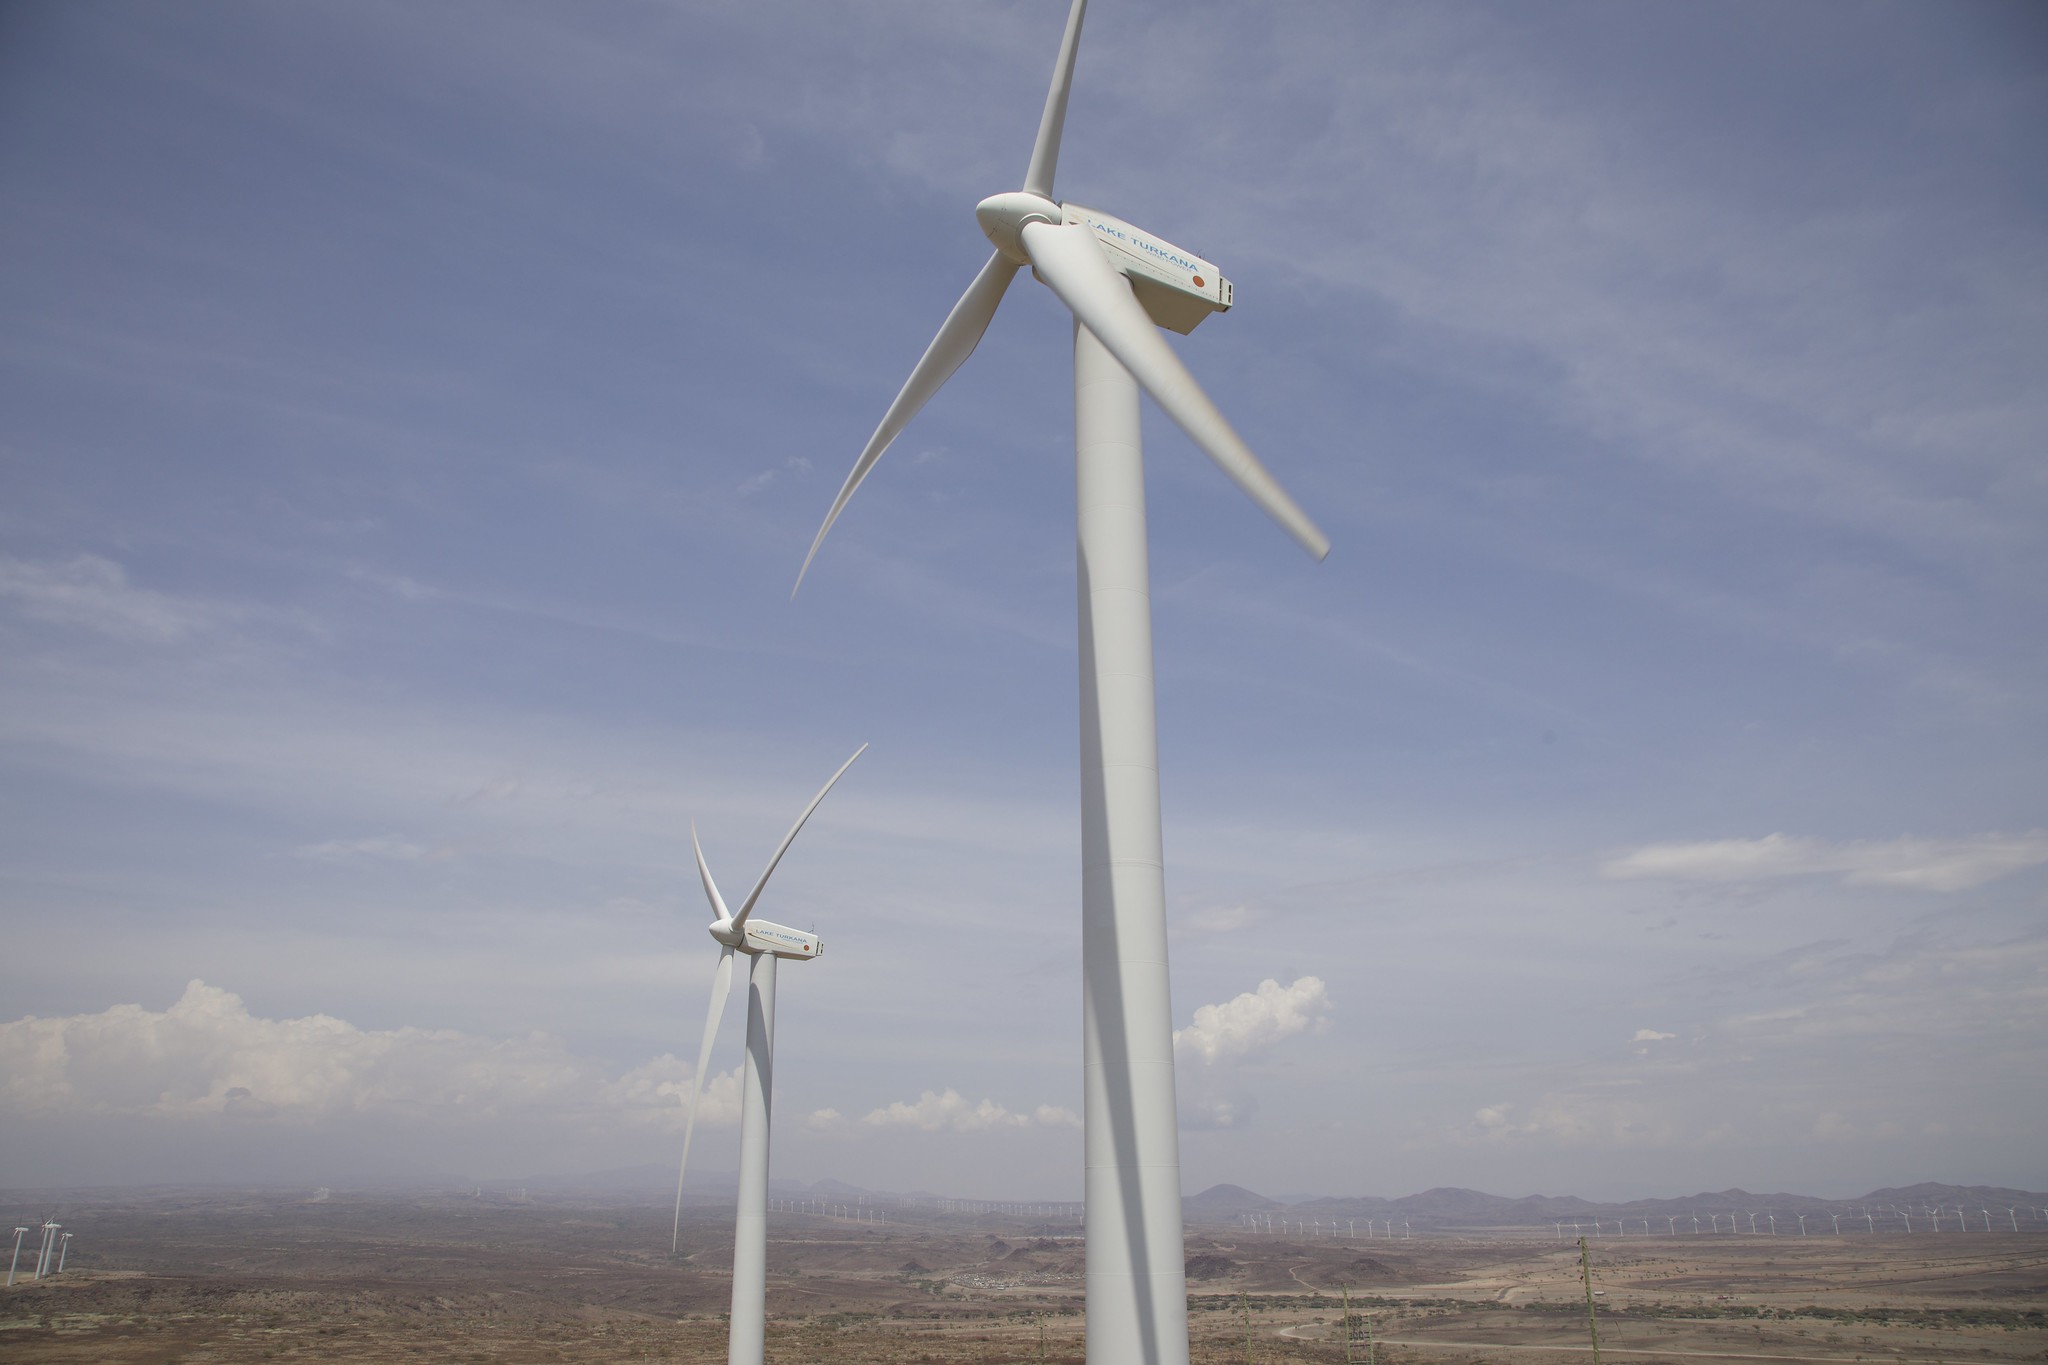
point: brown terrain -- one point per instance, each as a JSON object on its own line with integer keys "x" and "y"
{"x": 218, "y": 1277}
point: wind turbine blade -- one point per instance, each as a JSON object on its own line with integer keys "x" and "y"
{"x": 721, "y": 985}
{"x": 1067, "y": 258}
{"x": 704, "y": 873}
{"x": 739, "y": 920}
{"x": 1045, "y": 152}
{"x": 957, "y": 338}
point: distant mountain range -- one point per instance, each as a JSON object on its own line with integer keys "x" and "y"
{"x": 1438, "y": 1209}
{"x": 1449, "y": 1207}
{"x": 1930, "y": 1206}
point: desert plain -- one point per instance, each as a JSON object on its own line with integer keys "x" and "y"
{"x": 209, "y": 1276}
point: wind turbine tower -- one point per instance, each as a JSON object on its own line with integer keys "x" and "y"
{"x": 764, "y": 945}
{"x": 1122, "y": 284}
{"x": 48, "y": 1248}
{"x": 15, "y": 1260}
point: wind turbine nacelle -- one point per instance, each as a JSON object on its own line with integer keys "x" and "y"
{"x": 1177, "y": 288}
{"x": 780, "y": 940}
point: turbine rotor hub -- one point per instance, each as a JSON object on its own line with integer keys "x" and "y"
{"x": 1003, "y": 216}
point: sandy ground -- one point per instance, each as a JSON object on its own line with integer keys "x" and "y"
{"x": 209, "y": 1277}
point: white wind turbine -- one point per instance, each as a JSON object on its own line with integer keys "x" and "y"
{"x": 764, "y": 944}
{"x": 1122, "y": 284}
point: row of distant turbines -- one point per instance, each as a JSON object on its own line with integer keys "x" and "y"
{"x": 1931, "y": 1216}
{"x": 1121, "y": 284}
{"x": 1315, "y": 1227}
{"x": 50, "y": 1253}
{"x": 913, "y": 1210}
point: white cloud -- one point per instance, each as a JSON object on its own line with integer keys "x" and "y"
{"x": 1920, "y": 864}
{"x": 1253, "y": 1021}
{"x": 1220, "y": 919}
{"x": 1598, "y": 1117}
{"x": 1056, "y": 1116}
{"x": 1923, "y": 1018}
{"x": 756, "y": 482}
{"x": 1650, "y": 1035}
{"x": 94, "y": 593}
{"x": 208, "y": 1055}
{"x": 1210, "y": 1113}
{"x": 662, "y": 1086}
{"x": 950, "y": 1111}
{"x": 386, "y": 847}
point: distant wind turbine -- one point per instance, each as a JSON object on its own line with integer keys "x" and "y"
{"x": 764, "y": 945}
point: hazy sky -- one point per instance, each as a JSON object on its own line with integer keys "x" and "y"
{"x": 413, "y": 416}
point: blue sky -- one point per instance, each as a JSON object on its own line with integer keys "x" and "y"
{"x": 412, "y": 418}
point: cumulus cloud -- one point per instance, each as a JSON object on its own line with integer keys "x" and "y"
{"x": 949, "y": 1111}
{"x": 1253, "y": 1021}
{"x": 1920, "y": 864}
{"x": 207, "y": 1055}
{"x": 1650, "y": 1035}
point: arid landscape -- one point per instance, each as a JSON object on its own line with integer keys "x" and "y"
{"x": 210, "y": 1276}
